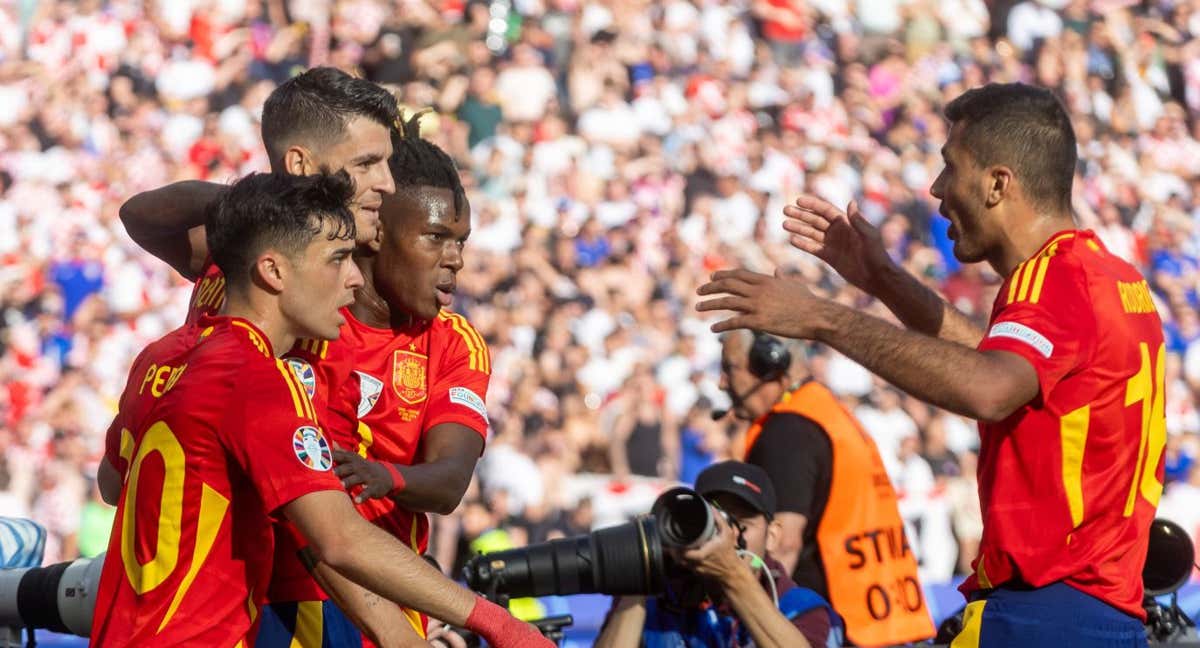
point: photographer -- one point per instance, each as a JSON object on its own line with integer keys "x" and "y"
{"x": 724, "y": 599}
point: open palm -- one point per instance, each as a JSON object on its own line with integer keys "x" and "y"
{"x": 844, "y": 240}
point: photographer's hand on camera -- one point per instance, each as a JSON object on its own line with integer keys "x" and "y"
{"x": 718, "y": 558}
{"x": 719, "y": 561}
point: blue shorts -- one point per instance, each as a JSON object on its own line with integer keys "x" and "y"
{"x": 1054, "y": 616}
{"x": 310, "y": 624}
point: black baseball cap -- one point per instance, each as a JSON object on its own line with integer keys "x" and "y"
{"x": 745, "y": 481}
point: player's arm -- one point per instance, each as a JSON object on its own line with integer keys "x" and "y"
{"x": 853, "y": 247}
{"x": 382, "y": 621}
{"x": 168, "y": 222}
{"x": 367, "y": 555}
{"x": 436, "y": 485}
{"x": 108, "y": 479}
{"x": 455, "y": 429}
{"x": 929, "y": 368}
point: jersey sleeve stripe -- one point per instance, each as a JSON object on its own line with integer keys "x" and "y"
{"x": 303, "y": 393}
{"x": 1043, "y": 265}
{"x": 485, "y": 360}
{"x": 1039, "y": 277}
{"x": 1026, "y": 279}
{"x": 255, "y": 338}
{"x": 1012, "y": 283}
{"x": 467, "y": 338}
{"x": 286, "y": 373}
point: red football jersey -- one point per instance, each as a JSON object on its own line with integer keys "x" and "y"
{"x": 149, "y": 369}
{"x": 208, "y": 293}
{"x": 149, "y": 375}
{"x": 228, "y": 440}
{"x": 382, "y": 390}
{"x": 1069, "y": 483}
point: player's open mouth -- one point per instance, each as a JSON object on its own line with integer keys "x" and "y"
{"x": 445, "y": 294}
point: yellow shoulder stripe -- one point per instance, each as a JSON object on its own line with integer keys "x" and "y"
{"x": 287, "y": 379}
{"x": 1027, "y": 280}
{"x": 316, "y": 347}
{"x": 480, "y": 359}
{"x": 255, "y": 338}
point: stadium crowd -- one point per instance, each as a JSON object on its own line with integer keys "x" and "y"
{"x": 615, "y": 153}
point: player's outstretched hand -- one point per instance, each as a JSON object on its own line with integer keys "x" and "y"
{"x": 779, "y": 304}
{"x": 845, "y": 240}
{"x": 374, "y": 476}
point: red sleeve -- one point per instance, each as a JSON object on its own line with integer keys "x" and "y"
{"x": 1046, "y": 317}
{"x": 458, "y": 393}
{"x": 271, "y": 431}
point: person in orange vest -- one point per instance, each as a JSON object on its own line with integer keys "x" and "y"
{"x": 842, "y": 532}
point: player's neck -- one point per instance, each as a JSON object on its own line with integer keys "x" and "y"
{"x": 1025, "y": 241}
{"x": 266, "y": 317}
{"x": 371, "y": 308}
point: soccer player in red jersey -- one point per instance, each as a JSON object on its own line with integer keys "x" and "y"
{"x": 231, "y": 441}
{"x": 321, "y": 120}
{"x": 1066, "y": 381}
{"x": 406, "y": 380}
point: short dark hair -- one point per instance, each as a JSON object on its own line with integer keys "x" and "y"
{"x": 416, "y": 162}
{"x": 1024, "y": 128}
{"x": 276, "y": 210}
{"x": 316, "y": 106}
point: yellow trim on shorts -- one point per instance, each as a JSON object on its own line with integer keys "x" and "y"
{"x": 310, "y": 622}
{"x": 972, "y": 625}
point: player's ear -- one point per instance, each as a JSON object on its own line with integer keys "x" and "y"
{"x": 270, "y": 271}
{"x": 298, "y": 160}
{"x": 999, "y": 185}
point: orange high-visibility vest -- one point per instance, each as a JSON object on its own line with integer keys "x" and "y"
{"x": 870, "y": 569}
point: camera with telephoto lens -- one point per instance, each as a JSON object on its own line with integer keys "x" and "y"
{"x": 59, "y": 598}
{"x": 631, "y": 558}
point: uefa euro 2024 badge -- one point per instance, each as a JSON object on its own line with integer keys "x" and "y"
{"x": 312, "y": 449}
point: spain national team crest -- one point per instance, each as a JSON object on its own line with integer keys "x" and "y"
{"x": 312, "y": 449}
{"x": 408, "y": 376}
{"x": 305, "y": 374}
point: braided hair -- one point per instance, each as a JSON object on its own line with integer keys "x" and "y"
{"x": 416, "y": 162}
